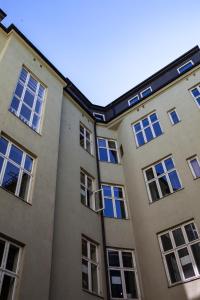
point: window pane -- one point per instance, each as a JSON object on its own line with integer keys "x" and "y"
{"x": 172, "y": 268}
{"x": 169, "y": 164}
{"x": 94, "y": 278}
{"x": 10, "y": 177}
{"x": 12, "y": 258}
{"x": 191, "y": 232}
{"x": 140, "y": 138}
{"x": 24, "y": 187}
{"x": 1, "y": 163}
{"x": 25, "y": 113}
{"x": 82, "y": 140}
{"x": 127, "y": 259}
{"x": 137, "y": 127}
{"x": 23, "y": 75}
{"x": 101, "y": 143}
{"x": 32, "y": 84}
{"x": 88, "y": 147}
{"x": 186, "y": 264}
{"x": 113, "y": 258}
{"x": 159, "y": 169}
{"x": 38, "y": 107}
{"x": 174, "y": 117}
{"x": 148, "y": 133}
{"x": 41, "y": 91}
{"x": 16, "y": 154}
{"x": 113, "y": 156}
{"x": 196, "y": 253}
{"x": 145, "y": 122}
{"x": 178, "y": 237}
{"x": 149, "y": 174}
{"x": 3, "y": 145}
{"x": 108, "y": 211}
{"x": 14, "y": 104}
{"x": 7, "y": 288}
{"x": 118, "y": 193}
{"x": 131, "y": 288}
{"x": 84, "y": 248}
{"x": 28, "y": 163}
{"x": 107, "y": 191}
{"x": 112, "y": 144}
{"x": 19, "y": 90}
{"x": 120, "y": 209}
{"x": 35, "y": 122}
{"x": 116, "y": 284}
{"x": 29, "y": 98}
{"x": 153, "y": 117}
{"x": 157, "y": 129}
{"x": 2, "y": 247}
{"x": 154, "y": 191}
{"x": 93, "y": 252}
{"x": 196, "y": 167}
{"x": 164, "y": 186}
{"x": 196, "y": 92}
{"x": 85, "y": 281}
{"x": 174, "y": 180}
{"x": 166, "y": 242}
{"x": 103, "y": 155}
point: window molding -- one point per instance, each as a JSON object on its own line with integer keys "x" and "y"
{"x": 86, "y": 138}
{"x": 97, "y": 115}
{"x": 173, "y": 122}
{"x": 189, "y": 64}
{"x": 145, "y": 92}
{"x": 196, "y": 175}
{"x": 133, "y": 100}
{"x": 195, "y": 92}
{"x": 108, "y": 150}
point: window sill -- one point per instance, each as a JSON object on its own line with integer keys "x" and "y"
{"x": 196, "y": 178}
{"x": 118, "y": 219}
{"x": 18, "y": 198}
{"x": 92, "y": 293}
{"x": 150, "y": 203}
{"x": 89, "y": 208}
{"x": 183, "y": 282}
{"x": 108, "y": 162}
{"x": 138, "y": 147}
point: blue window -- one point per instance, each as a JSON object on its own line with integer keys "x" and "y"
{"x": 162, "y": 179}
{"x": 114, "y": 202}
{"x": 133, "y": 100}
{"x": 99, "y": 117}
{"x": 28, "y": 100}
{"x": 146, "y": 92}
{"x": 196, "y": 95}
{"x": 147, "y": 129}
{"x": 174, "y": 118}
{"x": 188, "y": 65}
{"x": 108, "y": 150}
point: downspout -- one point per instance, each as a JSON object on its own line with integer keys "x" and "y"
{"x": 102, "y": 218}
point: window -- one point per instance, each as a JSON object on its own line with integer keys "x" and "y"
{"x": 108, "y": 150}
{"x": 133, "y": 100}
{"x": 9, "y": 268}
{"x": 87, "y": 190}
{"x": 114, "y": 202}
{"x": 188, "y": 65}
{"x": 196, "y": 95}
{"x": 162, "y": 179}
{"x": 180, "y": 249}
{"x": 27, "y": 103}
{"x": 99, "y": 117}
{"x": 85, "y": 139}
{"x": 90, "y": 266}
{"x": 122, "y": 274}
{"x": 16, "y": 168}
{"x": 147, "y": 129}
{"x": 146, "y": 92}
{"x": 194, "y": 166}
{"x": 174, "y": 118}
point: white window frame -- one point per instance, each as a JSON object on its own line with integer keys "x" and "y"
{"x": 85, "y": 138}
{"x": 143, "y": 128}
{"x": 4, "y": 271}
{"x": 189, "y": 61}
{"x": 114, "y": 198}
{"x": 90, "y": 262}
{"x": 36, "y": 97}
{"x": 195, "y": 98}
{"x": 130, "y": 100}
{"x": 175, "y": 251}
{"x": 190, "y": 165}
{"x": 85, "y": 185}
{"x": 121, "y": 268}
{"x": 149, "y": 88}
{"x": 170, "y": 117}
{"x": 156, "y": 178}
{"x": 98, "y": 114}
{"x": 108, "y": 148}
{"x": 21, "y": 169}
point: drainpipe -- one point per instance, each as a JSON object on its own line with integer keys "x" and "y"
{"x": 102, "y": 217}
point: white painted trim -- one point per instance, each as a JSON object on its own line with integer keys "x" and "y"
{"x": 98, "y": 114}
{"x": 149, "y": 88}
{"x": 129, "y": 101}
{"x": 178, "y": 69}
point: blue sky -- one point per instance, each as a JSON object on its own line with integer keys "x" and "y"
{"x": 106, "y": 47}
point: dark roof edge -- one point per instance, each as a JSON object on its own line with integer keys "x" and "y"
{"x": 2, "y": 14}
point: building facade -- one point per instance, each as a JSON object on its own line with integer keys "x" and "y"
{"x": 97, "y": 202}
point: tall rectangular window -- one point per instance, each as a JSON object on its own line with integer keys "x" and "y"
{"x": 107, "y": 150}
{"x": 27, "y": 102}
{"x": 16, "y": 169}
{"x": 180, "y": 248}
{"x": 85, "y": 138}
{"x": 90, "y": 266}
{"x": 174, "y": 118}
{"x": 122, "y": 274}
{"x": 86, "y": 190}
{"x": 114, "y": 202}
{"x": 194, "y": 166}
{"x": 9, "y": 268}
{"x": 162, "y": 179}
{"x": 196, "y": 94}
{"x": 146, "y": 129}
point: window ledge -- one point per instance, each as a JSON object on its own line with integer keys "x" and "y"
{"x": 183, "y": 282}
{"x": 19, "y": 198}
{"x": 118, "y": 219}
{"x": 107, "y": 162}
{"x": 92, "y": 293}
{"x": 196, "y": 178}
{"x": 150, "y": 203}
